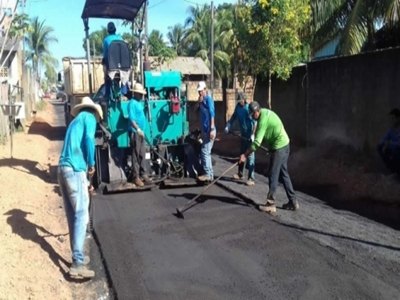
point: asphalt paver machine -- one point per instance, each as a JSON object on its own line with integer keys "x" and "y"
{"x": 165, "y": 109}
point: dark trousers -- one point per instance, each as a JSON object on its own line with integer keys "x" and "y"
{"x": 391, "y": 159}
{"x": 278, "y": 171}
{"x": 139, "y": 166}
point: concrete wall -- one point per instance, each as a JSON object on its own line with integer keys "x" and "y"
{"x": 347, "y": 98}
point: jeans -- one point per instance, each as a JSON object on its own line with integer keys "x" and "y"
{"x": 205, "y": 155}
{"x": 278, "y": 171}
{"x": 75, "y": 193}
{"x": 250, "y": 162}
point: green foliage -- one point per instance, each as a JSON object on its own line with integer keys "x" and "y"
{"x": 269, "y": 33}
{"x": 38, "y": 40}
{"x": 20, "y": 26}
{"x": 176, "y": 37}
{"x": 96, "y": 42}
{"x": 198, "y": 38}
{"x": 356, "y": 23}
{"x": 158, "y": 48}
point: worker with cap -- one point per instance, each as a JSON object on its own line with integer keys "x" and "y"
{"x": 247, "y": 127}
{"x": 112, "y": 36}
{"x": 208, "y": 131}
{"x": 77, "y": 162}
{"x": 137, "y": 127}
{"x": 270, "y": 130}
{"x": 389, "y": 147}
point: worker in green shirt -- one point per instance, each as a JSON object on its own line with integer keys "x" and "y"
{"x": 271, "y": 131}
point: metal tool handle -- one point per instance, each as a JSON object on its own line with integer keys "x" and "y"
{"x": 193, "y": 202}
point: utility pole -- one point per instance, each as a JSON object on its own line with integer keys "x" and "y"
{"x": 212, "y": 49}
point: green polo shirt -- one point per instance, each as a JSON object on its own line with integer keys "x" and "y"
{"x": 270, "y": 130}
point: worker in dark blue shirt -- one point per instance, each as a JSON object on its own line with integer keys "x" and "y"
{"x": 247, "y": 127}
{"x": 208, "y": 131}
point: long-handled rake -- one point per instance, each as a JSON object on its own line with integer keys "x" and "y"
{"x": 193, "y": 202}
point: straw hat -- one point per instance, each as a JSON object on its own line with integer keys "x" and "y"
{"x": 138, "y": 88}
{"x": 87, "y": 103}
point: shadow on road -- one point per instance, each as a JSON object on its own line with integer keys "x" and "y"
{"x": 55, "y": 133}
{"x": 371, "y": 243}
{"x": 205, "y": 197}
{"x": 30, "y": 167}
{"x": 29, "y": 231}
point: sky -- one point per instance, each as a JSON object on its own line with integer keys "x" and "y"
{"x": 64, "y": 16}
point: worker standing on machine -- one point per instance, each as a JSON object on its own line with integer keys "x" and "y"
{"x": 137, "y": 126}
{"x": 208, "y": 131}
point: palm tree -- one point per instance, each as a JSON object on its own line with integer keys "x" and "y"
{"x": 198, "y": 39}
{"x": 19, "y": 27}
{"x": 38, "y": 41}
{"x": 355, "y": 22}
{"x": 176, "y": 37}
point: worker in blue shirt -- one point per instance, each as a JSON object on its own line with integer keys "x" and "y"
{"x": 247, "y": 127}
{"x": 208, "y": 131}
{"x": 137, "y": 127}
{"x": 77, "y": 161}
{"x": 112, "y": 36}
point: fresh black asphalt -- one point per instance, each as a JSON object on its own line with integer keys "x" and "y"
{"x": 226, "y": 249}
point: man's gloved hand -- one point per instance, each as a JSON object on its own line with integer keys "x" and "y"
{"x": 227, "y": 128}
{"x": 140, "y": 132}
{"x": 252, "y": 138}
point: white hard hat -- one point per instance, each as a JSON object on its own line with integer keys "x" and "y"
{"x": 201, "y": 86}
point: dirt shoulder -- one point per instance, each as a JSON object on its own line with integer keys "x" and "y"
{"x": 34, "y": 237}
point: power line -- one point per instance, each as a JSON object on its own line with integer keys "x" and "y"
{"x": 154, "y": 5}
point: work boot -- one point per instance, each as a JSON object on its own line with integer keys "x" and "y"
{"x": 80, "y": 272}
{"x": 204, "y": 178}
{"x": 250, "y": 182}
{"x": 271, "y": 209}
{"x": 138, "y": 182}
{"x": 269, "y": 202}
{"x": 146, "y": 179}
{"x": 238, "y": 176}
{"x": 86, "y": 260}
{"x": 291, "y": 205}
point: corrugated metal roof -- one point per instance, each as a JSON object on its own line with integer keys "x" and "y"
{"x": 184, "y": 64}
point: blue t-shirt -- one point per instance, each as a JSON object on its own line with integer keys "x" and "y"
{"x": 106, "y": 44}
{"x": 79, "y": 145}
{"x": 136, "y": 113}
{"x": 241, "y": 114}
{"x": 207, "y": 111}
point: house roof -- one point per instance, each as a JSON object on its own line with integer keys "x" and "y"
{"x": 184, "y": 64}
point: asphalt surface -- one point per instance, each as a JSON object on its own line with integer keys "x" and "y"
{"x": 226, "y": 249}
